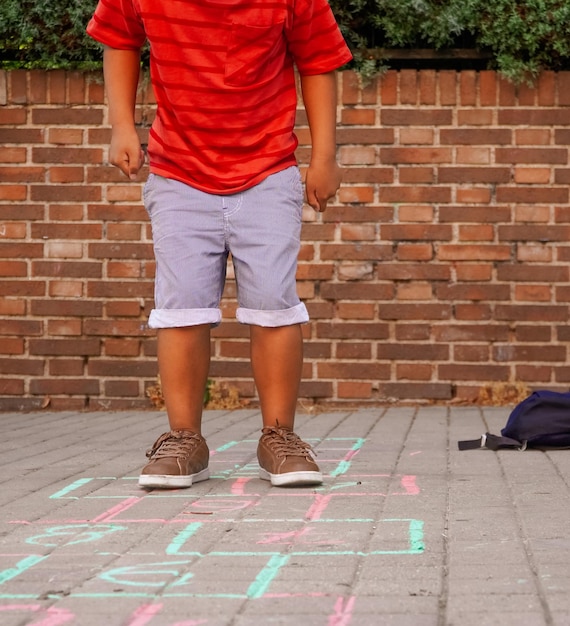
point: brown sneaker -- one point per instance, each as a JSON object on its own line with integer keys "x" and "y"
{"x": 178, "y": 458}
{"x": 285, "y": 459}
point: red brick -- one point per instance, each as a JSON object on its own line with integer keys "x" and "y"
{"x": 76, "y": 87}
{"x": 526, "y": 95}
{"x": 563, "y": 88}
{"x": 414, "y": 291}
{"x": 454, "y": 252}
{"x": 415, "y": 252}
{"x": 357, "y": 370}
{"x": 13, "y": 268}
{"x": 418, "y": 175}
{"x": 13, "y": 192}
{"x": 122, "y": 388}
{"x": 350, "y": 88}
{"x": 68, "y": 116}
{"x": 413, "y": 391}
{"x": 468, "y": 87}
{"x": 476, "y": 354}
{"x": 12, "y": 115}
{"x": 487, "y": 88}
{"x": 358, "y": 117}
{"x": 476, "y": 136}
{"x": 68, "y": 156}
{"x": 389, "y": 88}
{"x": 415, "y": 117}
{"x": 22, "y": 174}
{"x": 554, "y": 195}
{"x": 413, "y": 371}
{"x": 475, "y": 117}
{"x": 428, "y": 87}
{"x": 483, "y": 232}
{"x": 18, "y": 87}
{"x": 21, "y": 135}
{"x": 352, "y": 330}
{"x": 408, "y": 86}
{"x": 66, "y": 136}
{"x": 448, "y": 87}
{"x": 13, "y": 155}
{"x": 57, "y": 86}
{"x": 354, "y": 390}
{"x": 64, "y": 386}
{"x": 356, "y": 195}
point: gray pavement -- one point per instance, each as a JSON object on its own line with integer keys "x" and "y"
{"x": 406, "y": 530}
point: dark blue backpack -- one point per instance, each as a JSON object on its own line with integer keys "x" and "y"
{"x": 540, "y": 421}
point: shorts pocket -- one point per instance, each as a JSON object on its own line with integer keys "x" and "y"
{"x": 251, "y": 51}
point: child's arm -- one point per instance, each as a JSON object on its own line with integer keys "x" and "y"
{"x": 324, "y": 175}
{"x": 121, "y": 71}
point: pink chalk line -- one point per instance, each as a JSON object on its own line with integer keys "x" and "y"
{"x": 55, "y": 617}
{"x": 318, "y": 507}
{"x": 238, "y": 486}
{"x": 409, "y": 484}
{"x": 116, "y": 510}
{"x": 144, "y": 614}
{"x": 342, "y": 615}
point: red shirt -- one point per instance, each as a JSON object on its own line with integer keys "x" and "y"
{"x": 224, "y": 80}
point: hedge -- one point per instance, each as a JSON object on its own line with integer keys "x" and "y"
{"x": 521, "y": 37}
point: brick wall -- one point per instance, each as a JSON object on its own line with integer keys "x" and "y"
{"x": 441, "y": 267}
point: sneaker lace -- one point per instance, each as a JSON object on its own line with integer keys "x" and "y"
{"x": 175, "y": 443}
{"x": 286, "y": 443}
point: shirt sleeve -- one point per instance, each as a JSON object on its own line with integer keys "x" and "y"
{"x": 314, "y": 38}
{"x": 117, "y": 24}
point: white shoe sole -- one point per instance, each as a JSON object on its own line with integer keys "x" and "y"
{"x": 291, "y": 479}
{"x": 165, "y": 481}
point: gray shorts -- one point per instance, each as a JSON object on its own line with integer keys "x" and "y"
{"x": 193, "y": 234}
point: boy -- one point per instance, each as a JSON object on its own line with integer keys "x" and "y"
{"x": 224, "y": 180}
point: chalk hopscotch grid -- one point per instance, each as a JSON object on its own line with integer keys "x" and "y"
{"x": 271, "y": 562}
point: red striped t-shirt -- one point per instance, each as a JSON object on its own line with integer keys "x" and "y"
{"x": 223, "y": 75}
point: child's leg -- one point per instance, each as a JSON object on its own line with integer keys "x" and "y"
{"x": 179, "y": 458}
{"x": 183, "y": 362}
{"x": 277, "y": 361}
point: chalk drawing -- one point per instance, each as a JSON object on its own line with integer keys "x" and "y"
{"x": 175, "y": 547}
{"x": 148, "y": 574}
{"x": 345, "y": 463}
{"x": 63, "y": 493}
{"x": 107, "y": 516}
{"x": 259, "y": 586}
{"x": 81, "y": 533}
{"x": 21, "y": 567}
{"x": 238, "y": 486}
{"x": 144, "y": 614}
{"x": 306, "y": 529}
{"x": 50, "y": 616}
{"x": 343, "y": 610}
{"x": 318, "y": 507}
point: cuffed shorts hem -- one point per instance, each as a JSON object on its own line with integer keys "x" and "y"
{"x": 273, "y": 319}
{"x": 177, "y": 318}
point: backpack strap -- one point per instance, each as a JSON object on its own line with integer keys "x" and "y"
{"x": 491, "y": 442}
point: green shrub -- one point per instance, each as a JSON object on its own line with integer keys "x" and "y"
{"x": 522, "y": 37}
{"x": 47, "y": 34}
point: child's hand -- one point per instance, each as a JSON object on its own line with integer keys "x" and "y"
{"x": 322, "y": 182}
{"x": 125, "y": 151}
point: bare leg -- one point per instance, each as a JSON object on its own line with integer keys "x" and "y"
{"x": 277, "y": 362}
{"x": 183, "y": 363}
